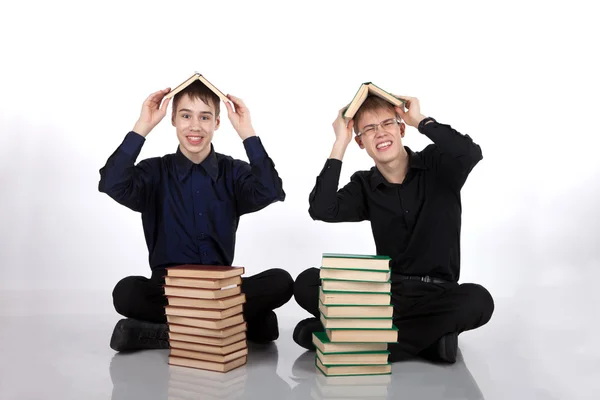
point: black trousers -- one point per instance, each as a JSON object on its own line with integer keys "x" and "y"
{"x": 423, "y": 312}
{"x": 141, "y": 298}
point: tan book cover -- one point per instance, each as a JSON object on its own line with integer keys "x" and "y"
{"x": 206, "y": 323}
{"x": 322, "y": 342}
{"x": 366, "y": 323}
{"x": 366, "y": 89}
{"x": 197, "y": 77}
{"x": 205, "y": 348}
{"x": 196, "y": 293}
{"x": 331, "y": 285}
{"x": 212, "y": 341}
{"x": 204, "y": 271}
{"x": 196, "y": 355}
{"x": 354, "y": 275}
{"x": 206, "y": 313}
{"x": 340, "y": 370}
{"x": 216, "y": 333}
{"x": 375, "y": 358}
{"x": 363, "y": 335}
{"x": 208, "y": 365}
{"x": 345, "y": 298}
{"x": 203, "y": 283}
{"x": 346, "y": 311}
{"x": 219, "y": 304}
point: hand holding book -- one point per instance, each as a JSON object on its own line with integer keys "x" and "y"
{"x": 412, "y": 116}
{"x": 240, "y": 117}
{"x": 152, "y": 112}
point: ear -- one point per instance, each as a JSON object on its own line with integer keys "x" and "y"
{"x": 173, "y": 118}
{"x": 217, "y": 122}
{"x": 402, "y": 129}
{"x": 358, "y": 140}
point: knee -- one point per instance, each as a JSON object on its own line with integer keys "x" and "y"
{"x": 122, "y": 294}
{"x": 482, "y": 301}
{"x": 307, "y": 279}
{"x": 283, "y": 284}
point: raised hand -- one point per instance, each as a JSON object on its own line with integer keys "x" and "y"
{"x": 240, "y": 117}
{"x": 412, "y": 116}
{"x": 152, "y": 112}
{"x": 343, "y": 128}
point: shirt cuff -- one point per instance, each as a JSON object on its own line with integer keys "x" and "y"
{"x": 332, "y": 165}
{"x": 254, "y": 149}
{"x": 132, "y": 144}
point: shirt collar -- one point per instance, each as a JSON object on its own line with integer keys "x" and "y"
{"x": 414, "y": 162}
{"x": 210, "y": 164}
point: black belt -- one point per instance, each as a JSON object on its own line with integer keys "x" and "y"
{"x": 426, "y": 278}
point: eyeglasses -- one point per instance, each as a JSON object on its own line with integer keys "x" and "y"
{"x": 386, "y": 125}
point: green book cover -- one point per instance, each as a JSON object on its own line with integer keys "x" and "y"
{"x": 393, "y": 328}
{"x": 355, "y": 293}
{"x": 386, "y": 318}
{"x": 351, "y": 365}
{"x": 354, "y": 305}
{"x": 352, "y": 269}
{"x": 344, "y": 375}
{"x": 345, "y": 280}
{"x": 356, "y": 352}
{"x": 359, "y": 256}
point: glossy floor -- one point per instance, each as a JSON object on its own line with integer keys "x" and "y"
{"x": 66, "y": 356}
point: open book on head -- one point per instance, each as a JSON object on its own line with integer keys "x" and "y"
{"x": 366, "y": 89}
{"x": 192, "y": 79}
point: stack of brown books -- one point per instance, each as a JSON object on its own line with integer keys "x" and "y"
{"x": 204, "y": 314}
{"x": 354, "y": 303}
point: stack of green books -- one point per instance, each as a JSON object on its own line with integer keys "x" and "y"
{"x": 356, "y": 311}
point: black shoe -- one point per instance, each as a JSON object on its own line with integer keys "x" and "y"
{"x": 263, "y": 328}
{"x": 304, "y": 330}
{"x": 132, "y": 334}
{"x": 447, "y": 347}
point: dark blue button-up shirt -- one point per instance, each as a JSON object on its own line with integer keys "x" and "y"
{"x": 190, "y": 212}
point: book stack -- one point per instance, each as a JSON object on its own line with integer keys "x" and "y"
{"x": 355, "y": 309}
{"x": 204, "y": 315}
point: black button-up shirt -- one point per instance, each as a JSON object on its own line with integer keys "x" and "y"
{"x": 417, "y": 223}
{"x": 190, "y": 212}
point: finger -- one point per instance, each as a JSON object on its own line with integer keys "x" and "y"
{"x": 237, "y": 101}
{"x": 155, "y": 97}
{"x": 400, "y": 112}
{"x": 165, "y": 104}
{"x": 229, "y": 108}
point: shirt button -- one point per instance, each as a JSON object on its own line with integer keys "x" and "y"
{"x": 406, "y": 211}
{"x": 200, "y": 214}
{"x": 197, "y": 191}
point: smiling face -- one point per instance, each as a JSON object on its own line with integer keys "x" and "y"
{"x": 195, "y": 118}
{"x": 379, "y": 131}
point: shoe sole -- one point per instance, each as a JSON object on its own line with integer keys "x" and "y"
{"x": 130, "y": 334}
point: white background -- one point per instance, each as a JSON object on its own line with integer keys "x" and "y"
{"x": 521, "y": 78}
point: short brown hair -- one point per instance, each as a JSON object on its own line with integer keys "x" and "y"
{"x": 199, "y": 91}
{"x": 372, "y": 104}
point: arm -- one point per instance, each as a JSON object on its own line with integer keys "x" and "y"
{"x": 454, "y": 155}
{"x": 256, "y": 184}
{"x": 130, "y": 185}
{"x": 327, "y": 203}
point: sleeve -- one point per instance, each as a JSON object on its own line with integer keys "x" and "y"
{"x": 329, "y": 204}
{"x": 129, "y": 184}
